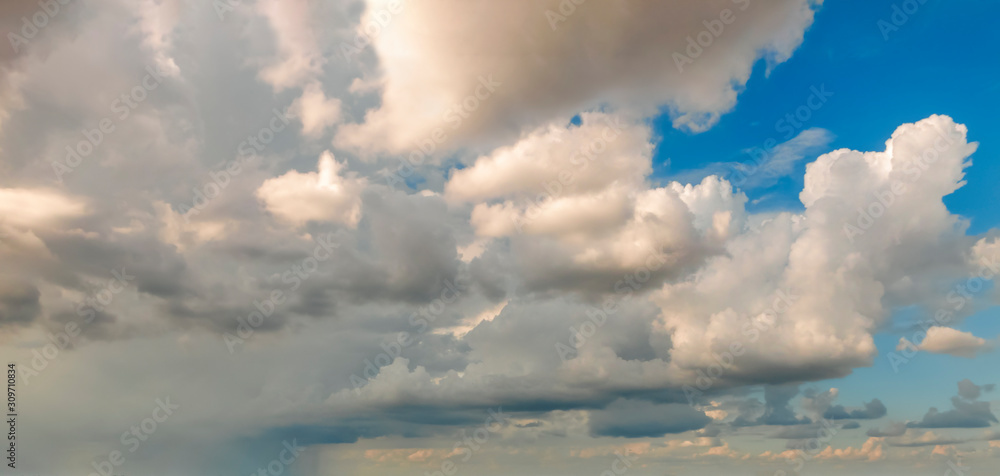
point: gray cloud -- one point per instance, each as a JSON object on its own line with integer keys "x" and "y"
{"x": 872, "y": 410}
{"x": 967, "y": 413}
{"x": 639, "y": 419}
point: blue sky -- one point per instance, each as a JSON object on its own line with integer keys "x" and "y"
{"x": 934, "y": 63}
{"x": 364, "y": 227}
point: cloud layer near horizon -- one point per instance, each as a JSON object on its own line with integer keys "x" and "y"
{"x": 237, "y": 222}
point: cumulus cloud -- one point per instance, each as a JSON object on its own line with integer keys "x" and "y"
{"x": 971, "y": 391}
{"x": 573, "y": 201}
{"x": 871, "y": 450}
{"x": 315, "y": 110}
{"x": 967, "y": 412}
{"x": 443, "y": 49}
{"x": 945, "y": 340}
{"x": 324, "y": 195}
{"x": 299, "y": 58}
{"x": 817, "y": 285}
{"x": 552, "y": 230}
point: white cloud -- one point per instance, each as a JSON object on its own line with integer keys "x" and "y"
{"x": 157, "y": 19}
{"x": 299, "y": 58}
{"x": 315, "y": 110}
{"x": 326, "y": 195}
{"x": 434, "y": 54}
{"x": 945, "y": 340}
{"x": 840, "y": 271}
{"x": 33, "y": 208}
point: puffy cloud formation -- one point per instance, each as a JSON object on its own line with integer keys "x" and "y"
{"x": 871, "y": 450}
{"x": 817, "y": 285}
{"x": 967, "y": 412}
{"x": 323, "y": 195}
{"x": 548, "y": 64}
{"x": 547, "y": 271}
{"x": 971, "y": 391}
{"x": 945, "y": 340}
{"x": 574, "y": 203}
{"x": 299, "y": 57}
{"x": 315, "y": 110}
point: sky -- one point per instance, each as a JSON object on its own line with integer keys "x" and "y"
{"x": 545, "y": 237}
